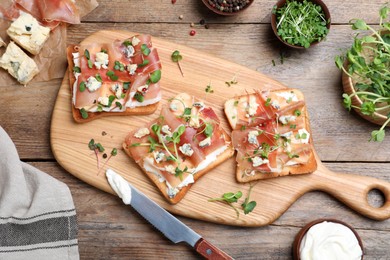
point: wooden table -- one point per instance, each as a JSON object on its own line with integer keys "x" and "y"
{"x": 107, "y": 229}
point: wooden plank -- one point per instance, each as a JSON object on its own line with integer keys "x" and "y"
{"x": 108, "y": 229}
{"x": 69, "y": 144}
{"x": 148, "y": 11}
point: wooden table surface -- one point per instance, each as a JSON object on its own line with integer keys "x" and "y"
{"x": 109, "y": 230}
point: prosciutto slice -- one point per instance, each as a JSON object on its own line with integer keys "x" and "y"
{"x": 51, "y": 12}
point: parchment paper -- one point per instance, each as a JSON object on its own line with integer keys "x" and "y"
{"x": 51, "y": 60}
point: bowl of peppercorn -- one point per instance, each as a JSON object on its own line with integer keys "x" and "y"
{"x": 300, "y": 24}
{"x": 227, "y": 7}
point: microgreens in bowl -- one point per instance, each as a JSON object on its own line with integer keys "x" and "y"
{"x": 300, "y": 23}
{"x": 367, "y": 65}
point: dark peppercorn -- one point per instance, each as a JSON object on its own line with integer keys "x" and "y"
{"x": 229, "y": 6}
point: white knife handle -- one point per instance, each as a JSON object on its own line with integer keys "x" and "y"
{"x": 207, "y": 250}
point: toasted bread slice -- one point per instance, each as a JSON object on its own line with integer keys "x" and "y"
{"x": 163, "y": 187}
{"x": 286, "y": 149}
{"x": 180, "y": 146}
{"x": 82, "y": 115}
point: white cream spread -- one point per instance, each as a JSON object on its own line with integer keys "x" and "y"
{"x": 119, "y": 185}
{"x": 329, "y": 240}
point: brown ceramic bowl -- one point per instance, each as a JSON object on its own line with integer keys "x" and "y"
{"x": 302, "y": 233}
{"x": 348, "y": 86}
{"x": 218, "y": 11}
{"x": 280, "y": 4}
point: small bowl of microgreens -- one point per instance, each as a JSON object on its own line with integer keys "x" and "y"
{"x": 366, "y": 72}
{"x": 300, "y": 23}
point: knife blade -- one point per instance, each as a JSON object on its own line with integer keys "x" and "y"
{"x": 165, "y": 222}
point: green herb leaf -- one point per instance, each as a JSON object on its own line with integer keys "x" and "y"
{"x": 153, "y": 144}
{"x": 339, "y": 62}
{"x": 114, "y": 152}
{"x": 76, "y": 69}
{"x": 90, "y": 64}
{"x": 86, "y": 54}
{"x": 100, "y": 147}
{"x": 377, "y": 135}
{"x": 249, "y": 207}
{"x": 98, "y": 77}
{"x": 208, "y": 130}
{"x": 139, "y": 97}
{"x": 112, "y": 75}
{"x": 176, "y": 56}
{"x": 145, "y": 50}
{"x": 118, "y": 104}
{"x": 127, "y": 43}
{"x": 359, "y": 24}
{"x": 144, "y": 63}
{"x": 209, "y": 89}
{"x": 347, "y": 101}
{"x": 155, "y": 76}
{"x": 82, "y": 86}
{"x": 297, "y": 112}
{"x": 126, "y": 85}
{"x": 119, "y": 66}
{"x": 367, "y": 108}
{"x": 91, "y": 144}
{"x": 84, "y": 113}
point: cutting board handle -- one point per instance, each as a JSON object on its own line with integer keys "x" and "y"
{"x": 353, "y": 191}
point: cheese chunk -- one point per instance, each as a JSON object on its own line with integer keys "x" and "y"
{"x": 18, "y": 64}
{"x": 28, "y": 33}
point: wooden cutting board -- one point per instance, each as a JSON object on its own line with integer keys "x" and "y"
{"x": 69, "y": 142}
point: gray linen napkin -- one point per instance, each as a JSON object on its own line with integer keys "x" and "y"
{"x": 37, "y": 214}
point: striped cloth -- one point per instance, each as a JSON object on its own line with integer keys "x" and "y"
{"x": 37, "y": 214}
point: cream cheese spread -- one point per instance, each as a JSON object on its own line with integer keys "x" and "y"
{"x": 329, "y": 240}
{"x": 119, "y": 185}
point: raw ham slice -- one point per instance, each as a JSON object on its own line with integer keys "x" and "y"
{"x": 51, "y": 12}
{"x": 9, "y": 10}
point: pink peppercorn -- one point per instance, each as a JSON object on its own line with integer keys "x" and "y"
{"x": 192, "y": 32}
{"x": 173, "y": 1}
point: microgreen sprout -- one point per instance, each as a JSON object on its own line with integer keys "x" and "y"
{"x": 209, "y": 88}
{"x": 114, "y": 152}
{"x": 84, "y": 113}
{"x": 248, "y": 206}
{"x": 229, "y": 198}
{"x": 176, "y": 57}
{"x": 301, "y": 22}
{"x": 367, "y": 62}
{"x": 233, "y": 81}
{"x": 98, "y": 148}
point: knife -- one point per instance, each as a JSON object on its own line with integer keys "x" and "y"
{"x": 166, "y": 223}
